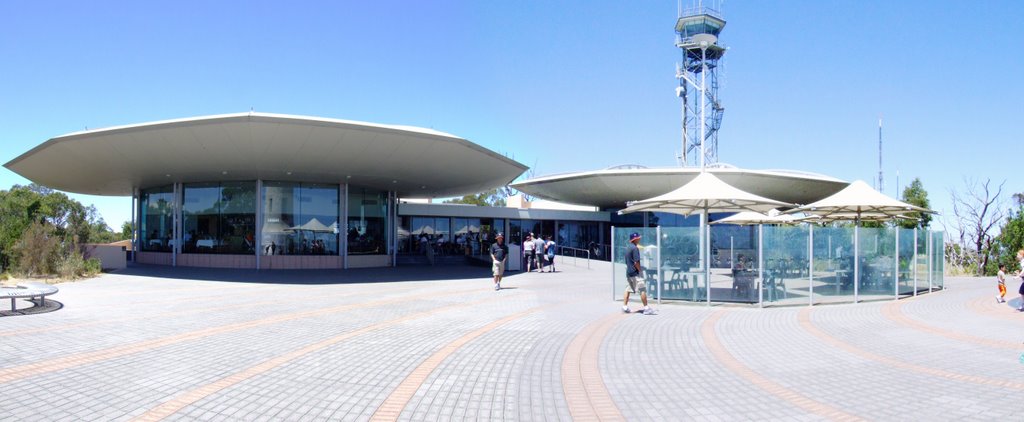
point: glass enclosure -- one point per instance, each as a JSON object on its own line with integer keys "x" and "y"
{"x": 156, "y": 219}
{"x": 800, "y": 264}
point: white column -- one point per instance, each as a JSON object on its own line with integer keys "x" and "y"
{"x": 135, "y": 224}
{"x": 657, "y": 259}
{"x": 612, "y": 257}
{"x": 929, "y": 244}
{"x": 175, "y": 213}
{"x": 856, "y": 260}
{"x": 915, "y": 261}
{"x": 258, "y": 236}
{"x": 896, "y": 265}
{"x": 810, "y": 264}
{"x": 760, "y": 265}
{"x": 343, "y": 224}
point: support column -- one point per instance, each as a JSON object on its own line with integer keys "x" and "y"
{"x": 896, "y": 266}
{"x": 856, "y": 261}
{"x": 135, "y": 224}
{"x": 257, "y": 239}
{"x": 657, "y": 261}
{"x": 175, "y": 213}
{"x": 612, "y": 258}
{"x": 810, "y": 264}
{"x": 760, "y": 267}
{"x": 915, "y": 261}
{"x": 343, "y": 224}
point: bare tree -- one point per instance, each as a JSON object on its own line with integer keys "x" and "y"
{"x": 977, "y": 210}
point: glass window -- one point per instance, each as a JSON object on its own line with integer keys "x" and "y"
{"x": 299, "y": 219}
{"x": 367, "y": 222}
{"x": 219, "y": 218}
{"x": 156, "y": 219}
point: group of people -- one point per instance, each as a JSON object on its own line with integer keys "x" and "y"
{"x": 1001, "y": 280}
{"x": 539, "y": 253}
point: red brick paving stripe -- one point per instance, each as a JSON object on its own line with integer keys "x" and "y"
{"x": 720, "y": 353}
{"x": 392, "y": 407}
{"x": 174, "y": 405}
{"x": 985, "y": 306}
{"x": 582, "y": 383}
{"x": 18, "y": 372}
{"x": 805, "y": 322}
{"x": 894, "y": 311}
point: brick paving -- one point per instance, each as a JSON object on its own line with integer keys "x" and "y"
{"x": 438, "y": 343}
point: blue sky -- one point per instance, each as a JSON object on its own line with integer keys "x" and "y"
{"x": 560, "y": 86}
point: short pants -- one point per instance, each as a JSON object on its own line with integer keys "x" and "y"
{"x": 636, "y": 284}
{"x": 498, "y": 268}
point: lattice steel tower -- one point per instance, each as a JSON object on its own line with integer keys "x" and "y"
{"x": 697, "y": 32}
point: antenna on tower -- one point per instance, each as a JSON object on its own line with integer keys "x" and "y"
{"x": 881, "y": 182}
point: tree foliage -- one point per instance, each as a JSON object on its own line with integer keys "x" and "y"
{"x": 32, "y": 216}
{"x": 1010, "y": 239}
{"x": 914, "y": 194}
{"x": 491, "y": 198}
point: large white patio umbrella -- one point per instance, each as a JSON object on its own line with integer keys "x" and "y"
{"x": 858, "y": 202}
{"x": 705, "y": 194}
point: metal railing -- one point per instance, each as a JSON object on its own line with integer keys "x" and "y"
{"x": 576, "y": 253}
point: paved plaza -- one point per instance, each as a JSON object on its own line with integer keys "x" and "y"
{"x": 438, "y": 343}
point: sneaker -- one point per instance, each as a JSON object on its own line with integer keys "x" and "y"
{"x": 998, "y": 299}
{"x": 625, "y": 309}
{"x": 497, "y": 286}
{"x": 650, "y": 311}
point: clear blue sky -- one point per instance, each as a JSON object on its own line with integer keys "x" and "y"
{"x": 560, "y": 86}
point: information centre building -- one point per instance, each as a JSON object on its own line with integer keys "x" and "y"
{"x": 271, "y": 191}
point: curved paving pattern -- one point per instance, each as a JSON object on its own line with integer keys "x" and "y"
{"x": 192, "y": 344}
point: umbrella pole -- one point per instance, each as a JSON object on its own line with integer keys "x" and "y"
{"x": 856, "y": 259}
{"x": 707, "y": 253}
{"x": 810, "y": 264}
{"x": 760, "y": 265}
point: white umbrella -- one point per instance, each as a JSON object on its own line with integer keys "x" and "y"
{"x": 858, "y": 202}
{"x": 706, "y": 193}
{"x": 749, "y": 218}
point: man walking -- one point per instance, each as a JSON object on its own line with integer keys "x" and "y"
{"x": 499, "y": 253}
{"x": 634, "y": 276}
{"x": 538, "y": 252}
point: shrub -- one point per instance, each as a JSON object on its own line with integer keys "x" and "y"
{"x": 70, "y": 265}
{"x": 36, "y": 250}
{"x": 92, "y": 267}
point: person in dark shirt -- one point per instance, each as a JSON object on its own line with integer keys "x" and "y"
{"x": 634, "y": 276}
{"x": 499, "y": 253}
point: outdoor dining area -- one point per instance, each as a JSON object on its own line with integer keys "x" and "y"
{"x": 805, "y": 255}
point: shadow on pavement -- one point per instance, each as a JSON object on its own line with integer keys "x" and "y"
{"x": 333, "y": 276}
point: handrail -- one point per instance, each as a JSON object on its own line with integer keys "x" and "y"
{"x": 575, "y": 254}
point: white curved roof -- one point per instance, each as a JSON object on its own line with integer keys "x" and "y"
{"x": 612, "y": 188}
{"x": 246, "y": 146}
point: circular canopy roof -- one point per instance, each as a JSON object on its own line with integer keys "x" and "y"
{"x": 247, "y": 146}
{"x": 612, "y": 188}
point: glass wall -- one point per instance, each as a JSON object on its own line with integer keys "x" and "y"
{"x": 681, "y": 275}
{"x": 299, "y": 219}
{"x": 156, "y": 219}
{"x": 906, "y": 262}
{"x": 786, "y": 277}
{"x": 219, "y": 218}
{"x": 789, "y": 276}
{"x": 367, "y": 221}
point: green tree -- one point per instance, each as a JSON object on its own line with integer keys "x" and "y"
{"x": 491, "y": 198}
{"x": 914, "y": 194}
{"x": 1010, "y": 238}
{"x": 126, "y": 230}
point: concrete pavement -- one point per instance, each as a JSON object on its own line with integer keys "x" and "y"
{"x": 438, "y": 343}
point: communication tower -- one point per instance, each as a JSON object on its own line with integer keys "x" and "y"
{"x": 697, "y": 32}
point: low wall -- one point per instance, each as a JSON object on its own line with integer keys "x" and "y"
{"x": 156, "y": 258}
{"x": 369, "y": 261}
{"x": 111, "y": 257}
{"x": 217, "y": 261}
{"x": 294, "y": 262}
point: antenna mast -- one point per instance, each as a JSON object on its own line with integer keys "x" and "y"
{"x": 881, "y": 183}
